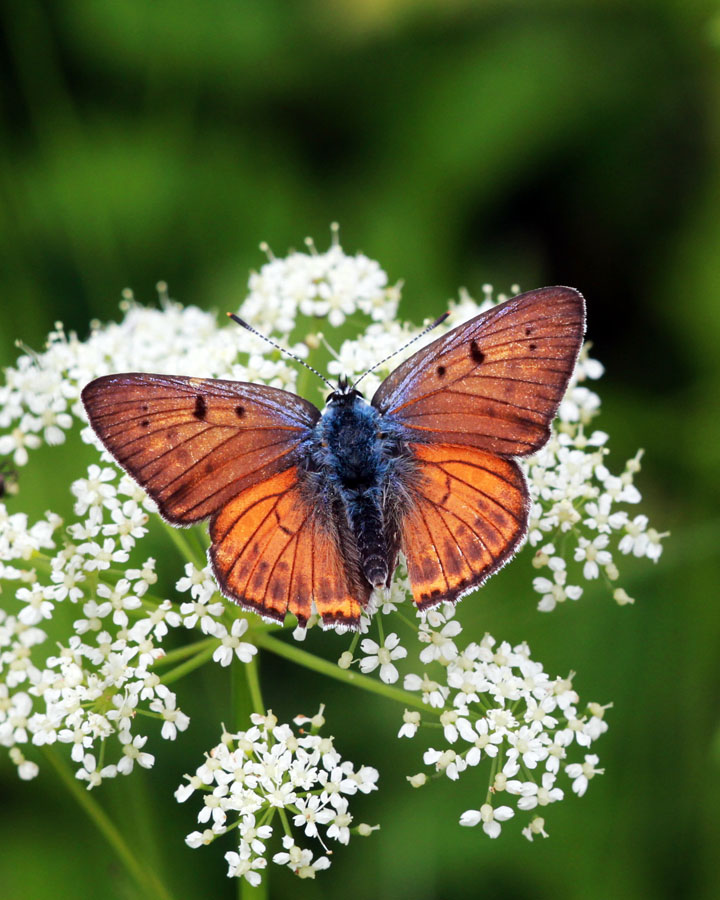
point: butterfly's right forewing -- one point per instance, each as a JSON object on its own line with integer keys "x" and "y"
{"x": 195, "y": 443}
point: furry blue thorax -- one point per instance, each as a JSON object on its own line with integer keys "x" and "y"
{"x": 357, "y": 448}
{"x": 350, "y": 429}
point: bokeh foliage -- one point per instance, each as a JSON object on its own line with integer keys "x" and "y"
{"x": 457, "y": 143}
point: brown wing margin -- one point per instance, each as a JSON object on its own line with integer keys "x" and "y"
{"x": 468, "y": 518}
{"x": 271, "y": 553}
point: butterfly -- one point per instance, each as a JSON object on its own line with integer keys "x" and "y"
{"x": 309, "y": 510}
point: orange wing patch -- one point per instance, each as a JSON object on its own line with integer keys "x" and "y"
{"x": 469, "y": 516}
{"x": 272, "y": 553}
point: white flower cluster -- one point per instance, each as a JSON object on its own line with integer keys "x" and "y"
{"x": 88, "y": 571}
{"x": 580, "y": 504}
{"x": 269, "y": 772}
{"x": 494, "y": 702}
{"x": 330, "y": 285}
{"x": 95, "y": 692}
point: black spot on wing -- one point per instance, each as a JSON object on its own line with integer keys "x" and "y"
{"x": 200, "y": 410}
{"x": 476, "y": 353}
{"x": 239, "y": 411}
{"x": 441, "y": 371}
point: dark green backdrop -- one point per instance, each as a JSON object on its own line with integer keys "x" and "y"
{"x": 457, "y": 143}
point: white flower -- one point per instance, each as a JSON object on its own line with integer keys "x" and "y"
{"x": 581, "y": 773}
{"x": 484, "y": 741}
{"x": 526, "y": 744}
{"x": 300, "y": 860}
{"x": 230, "y": 643}
{"x": 311, "y": 811}
{"x": 534, "y": 794}
{"x": 440, "y": 643}
{"x": 382, "y": 655}
{"x": 594, "y": 555}
{"x": 536, "y": 826}
{"x": 433, "y": 692}
{"x": 37, "y": 606}
{"x": 555, "y": 591}
{"x": 245, "y": 867}
{"x": 411, "y": 721}
{"x": 89, "y": 772}
{"x": 95, "y": 489}
{"x": 490, "y": 818}
{"x": 175, "y": 719}
{"x": 17, "y": 443}
{"x": 133, "y": 753}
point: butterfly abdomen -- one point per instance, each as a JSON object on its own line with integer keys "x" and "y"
{"x": 366, "y": 524}
{"x": 353, "y": 454}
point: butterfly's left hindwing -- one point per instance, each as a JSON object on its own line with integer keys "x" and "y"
{"x": 194, "y": 443}
{"x": 468, "y": 517}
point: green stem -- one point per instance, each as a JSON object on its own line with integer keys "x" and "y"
{"x": 184, "y": 668}
{"x": 183, "y": 545}
{"x": 146, "y": 879}
{"x": 253, "y": 680}
{"x": 303, "y": 658}
{"x": 180, "y": 653}
{"x": 247, "y": 892}
{"x": 242, "y": 703}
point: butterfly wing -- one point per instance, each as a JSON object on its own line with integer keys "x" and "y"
{"x": 195, "y": 443}
{"x": 468, "y": 515}
{"x": 230, "y": 450}
{"x": 274, "y": 549}
{"x": 470, "y": 401}
{"x": 495, "y": 382}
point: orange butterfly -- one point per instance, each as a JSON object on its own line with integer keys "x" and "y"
{"x": 308, "y": 507}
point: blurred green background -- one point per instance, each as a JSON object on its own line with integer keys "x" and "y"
{"x": 457, "y": 143}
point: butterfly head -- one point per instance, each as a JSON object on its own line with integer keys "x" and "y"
{"x": 345, "y": 393}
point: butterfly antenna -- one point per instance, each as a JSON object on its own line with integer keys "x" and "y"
{"x": 417, "y": 337}
{"x": 278, "y": 347}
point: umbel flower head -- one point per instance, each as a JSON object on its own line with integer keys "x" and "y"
{"x": 105, "y": 689}
{"x": 268, "y": 774}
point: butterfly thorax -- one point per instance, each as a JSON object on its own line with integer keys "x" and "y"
{"x": 354, "y": 451}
